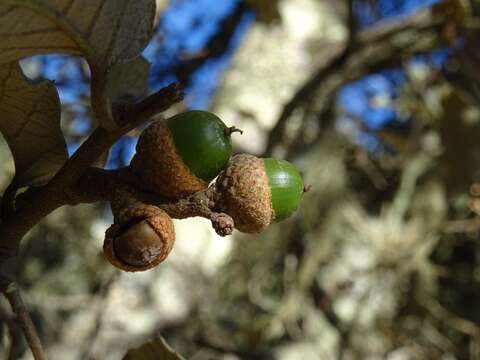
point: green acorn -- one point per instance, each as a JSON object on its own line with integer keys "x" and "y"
{"x": 181, "y": 155}
{"x": 255, "y": 192}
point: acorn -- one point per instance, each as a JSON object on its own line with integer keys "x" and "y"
{"x": 181, "y": 155}
{"x": 256, "y": 192}
{"x": 140, "y": 240}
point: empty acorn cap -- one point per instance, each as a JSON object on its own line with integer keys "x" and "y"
{"x": 141, "y": 241}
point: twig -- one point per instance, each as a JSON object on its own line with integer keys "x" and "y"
{"x": 461, "y": 226}
{"x": 384, "y": 45}
{"x": 155, "y": 104}
{"x": 56, "y": 192}
{"x": 102, "y": 303}
{"x": 456, "y": 322}
{"x": 15, "y": 346}
{"x": 12, "y": 294}
{"x": 8, "y": 201}
{"x": 120, "y": 187}
{"x": 403, "y": 198}
{"x": 351, "y": 24}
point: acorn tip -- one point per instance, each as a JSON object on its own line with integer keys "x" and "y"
{"x": 232, "y": 129}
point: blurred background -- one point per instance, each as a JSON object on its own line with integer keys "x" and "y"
{"x": 378, "y": 103}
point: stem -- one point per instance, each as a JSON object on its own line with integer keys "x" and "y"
{"x": 8, "y": 201}
{"x": 14, "y": 350}
{"x": 26, "y": 324}
{"x": 122, "y": 188}
{"x": 307, "y": 188}
{"x": 152, "y": 105}
{"x": 229, "y": 131}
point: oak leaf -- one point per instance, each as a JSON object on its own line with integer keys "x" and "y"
{"x": 30, "y": 123}
{"x": 104, "y": 32}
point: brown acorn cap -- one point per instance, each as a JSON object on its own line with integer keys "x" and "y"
{"x": 143, "y": 221}
{"x": 245, "y": 193}
{"x": 160, "y": 167}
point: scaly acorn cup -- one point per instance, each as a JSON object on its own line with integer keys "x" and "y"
{"x": 255, "y": 192}
{"x": 142, "y": 238}
{"x": 181, "y": 155}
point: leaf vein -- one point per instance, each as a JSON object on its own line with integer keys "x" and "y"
{"x": 28, "y": 118}
{"x": 117, "y": 27}
{"x": 88, "y": 33}
{"x": 43, "y": 47}
{"x": 7, "y": 11}
{"x": 67, "y": 8}
{"x": 4, "y": 81}
{"x": 31, "y": 32}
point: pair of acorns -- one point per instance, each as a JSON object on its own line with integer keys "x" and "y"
{"x": 180, "y": 156}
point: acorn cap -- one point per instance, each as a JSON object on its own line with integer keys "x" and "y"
{"x": 181, "y": 155}
{"x": 255, "y": 192}
{"x": 160, "y": 167}
{"x": 245, "y": 193}
{"x": 141, "y": 239}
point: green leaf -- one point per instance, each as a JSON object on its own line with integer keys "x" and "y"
{"x": 128, "y": 79}
{"x": 103, "y": 31}
{"x": 30, "y": 123}
{"x": 153, "y": 350}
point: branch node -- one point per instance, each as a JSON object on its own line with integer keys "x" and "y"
{"x": 222, "y": 223}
